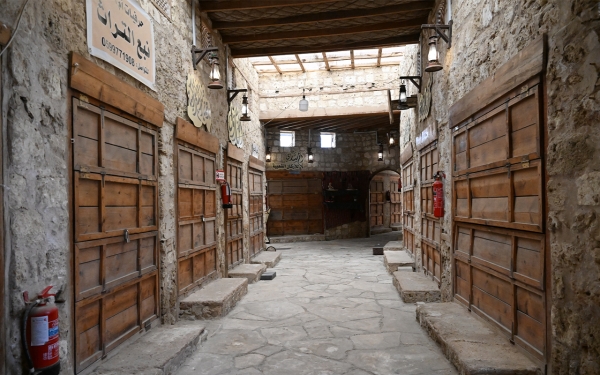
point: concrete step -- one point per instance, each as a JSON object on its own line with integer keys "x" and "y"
{"x": 416, "y": 287}
{"x": 396, "y": 227}
{"x": 394, "y": 246}
{"x": 394, "y": 259}
{"x": 380, "y": 230}
{"x": 215, "y": 300}
{"x": 268, "y": 258}
{"x": 471, "y": 344}
{"x": 161, "y": 351}
{"x": 299, "y": 238}
{"x": 251, "y": 272}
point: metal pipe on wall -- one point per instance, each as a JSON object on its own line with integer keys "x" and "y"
{"x": 194, "y": 23}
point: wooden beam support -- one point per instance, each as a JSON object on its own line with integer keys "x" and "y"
{"x": 270, "y": 51}
{"x": 229, "y": 5}
{"x": 326, "y": 61}
{"x": 300, "y": 63}
{"x": 275, "y": 65}
{"x": 325, "y": 16}
{"x": 318, "y": 33}
{"x": 379, "y": 57}
{"x": 352, "y": 58}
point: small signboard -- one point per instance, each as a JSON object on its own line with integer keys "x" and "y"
{"x": 121, "y": 33}
{"x": 220, "y": 175}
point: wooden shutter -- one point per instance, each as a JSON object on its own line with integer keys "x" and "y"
{"x": 396, "y": 201}
{"x": 234, "y": 216}
{"x": 256, "y": 193}
{"x": 431, "y": 260}
{"x": 376, "y": 201}
{"x": 498, "y": 201}
{"x": 408, "y": 203}
{"x": 116, "y": 230}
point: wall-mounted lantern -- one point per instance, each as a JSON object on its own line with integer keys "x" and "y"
{"x": 268, "y": 155}
{"x": 245, "y": 116}
{"x": 310, "y": 155}
{"x": 380, "y": 152}
{"x": 215, "y": 73}
{"x": 433, "y": 59}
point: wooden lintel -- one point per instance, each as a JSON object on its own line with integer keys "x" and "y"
{"x": 223, "y": 6}
{"x": 325, "y": 17}
{"x": 324, "y": 32}
{"x": 90, "y": 79}
{"x": 187, "y": 132}
{"x": 5, "y": 33}
{"x": 256, "y": 163}
{"x": 271, "y": 51}
{"x": 235, "y": 153}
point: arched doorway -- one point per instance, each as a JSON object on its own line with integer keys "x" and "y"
{"x": 385, "y": 208}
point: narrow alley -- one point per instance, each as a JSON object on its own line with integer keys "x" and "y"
{"x": 331, "y": 309}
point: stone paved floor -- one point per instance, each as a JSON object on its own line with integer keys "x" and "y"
{"x": 331, "y": 309}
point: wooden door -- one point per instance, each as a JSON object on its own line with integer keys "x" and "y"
{"x": 499, "y": 245}
{"x": 431, "y": 260}
{"x": 196, "y": 217}
{"x": 376, "y": 201}
{"x": 395, "y": 201}
{"x": 408, "y": 203}
{"x": 234, "y": 216}
{"x": 296, "y": 203}
{"x": 257, "y": 226}
{"x": 115, "y": 230}
{"x": 3, "y": 304}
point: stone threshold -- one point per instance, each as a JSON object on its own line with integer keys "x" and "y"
{"x": 214, "y": 300}
{"x": 470, "y": 343}
{"x": 416, "y": 287}
{"x": 251, "y": 272}
{"x": 162, "y": 351}
{"x": 394, "y": 246}
{"x": 381, "y": 230}
{"x": 268, "y": 258}
{"x": 298, "y": 238}
{"x": 394, "y": 259}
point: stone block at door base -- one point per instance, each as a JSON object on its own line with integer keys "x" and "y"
{"x": 215, "y": 300}
{"x": 251, "y": 272}
{"x": 268, "y": 258}
{"x": 471, "y": 344}
{"x": 394, "y": 259}
{"x": 416, "y": 287}
{"x": 394, "y": 246}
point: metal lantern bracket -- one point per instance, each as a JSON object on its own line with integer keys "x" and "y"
{"x": 414, "y": 79}
{"x": 438, "y": 29}
{"x": 231, "y": 94}
{"x": 199, "y": 53}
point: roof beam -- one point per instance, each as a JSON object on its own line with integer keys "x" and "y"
{"x": 317, "y": 33}
{"x": 326, "y": 61}
{"x": 229, "y": 5}
{"x": 379, "y": 57}
{"x": 352, "y": 58}
{"x": 275, "y": 64}
{"x": 268, "y": 51}
{"x": 325, "y": 16}
{"x": 300, "y": 63}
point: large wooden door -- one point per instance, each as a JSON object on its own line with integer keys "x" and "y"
{"x": 395, "y": 201}
{"x": 256, "y": 201}
{"x": 499, "y": 243}
{"x": 115, "y": 230}
{"x": 376, "y": 201}
{"x": 296, "y": 203}
{"x": 431, "y": 261}
{"x": 408, "y": 202}
{"x": 234, "y": 216}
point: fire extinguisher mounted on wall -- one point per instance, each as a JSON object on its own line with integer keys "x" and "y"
{"x": 40, "y": 334}
{"x": 226, "y": 194}
{"x": 438, "y": 194}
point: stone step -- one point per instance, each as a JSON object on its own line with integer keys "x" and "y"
{"x": 380, "y": 230}
{"x": 298, "y": 238}
{"x": 471, "y": 344}
{"x": 161, "y": 351}
{"x": 396, "y": 227}
{"x": 268, "y": 258}
{"x": 394, "y": 259}
{"x": 215, "y": 300}
{"x": 251, "y": 272}
{"x": 394, "y": 246}
{"x": 416, "y": 287}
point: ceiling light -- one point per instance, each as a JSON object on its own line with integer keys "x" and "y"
{"x": 303, "y": 103}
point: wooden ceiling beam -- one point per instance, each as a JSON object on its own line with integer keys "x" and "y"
{"x": 379, "y": 57}
{"x": 300, "y": 63}
{"x": 324, "y": 32}
{"x": 325, "y": 17}
{"x": 229, "y": 5}
{"x": 270, "y": 51}
{"x": 326, "y": 61}
{"x": 352, "y": 58}
{"x": 275, "y": 65}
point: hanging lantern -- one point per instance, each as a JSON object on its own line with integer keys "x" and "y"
{"x": 380, "y": 153}
{"x": 215, "y": 74}
{"x": 433, "y": 60}
{"x": 268, "y": 155}
{"x": 310, "y": 155}
{"x": 245, "y": 116}
{"x": 303, "y": 103}
{"x": 392, "y": 140}
{"x": 402, "y": 99}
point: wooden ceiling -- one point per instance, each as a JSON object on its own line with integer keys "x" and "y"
{"x": 338, "y": 124}
{"x": 276, "y": 27}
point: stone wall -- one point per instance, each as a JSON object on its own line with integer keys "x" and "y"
{"x": 37, "y": 175}
{"x": 486, "y": 34}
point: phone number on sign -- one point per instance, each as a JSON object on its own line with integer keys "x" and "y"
{"x": 117, "y": 51}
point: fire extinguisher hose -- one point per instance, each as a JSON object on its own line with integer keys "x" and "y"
{"x": 24, "y": 335}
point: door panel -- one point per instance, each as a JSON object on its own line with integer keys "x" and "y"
{"x": 296, "y": 206}
{"x": 234, "y": 216}
{"x": 376, "y": 201}
{"x": 395, "y": 201}
{"x": 257, "y": 227}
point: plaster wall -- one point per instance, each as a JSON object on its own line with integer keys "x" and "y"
{"x": 37, "y": 166}
{"x": 486, "y": 34}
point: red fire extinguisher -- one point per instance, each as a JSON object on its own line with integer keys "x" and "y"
{"x": 226, "y": 195}
{"x": 438, "y": 195}
{"x": 40, "y": 334}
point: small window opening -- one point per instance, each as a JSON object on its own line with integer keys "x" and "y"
{"x": 287, "y": 139}
{"x": 327, "y": 140}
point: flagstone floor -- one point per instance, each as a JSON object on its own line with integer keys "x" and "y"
{"x": 332, "y": 309}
